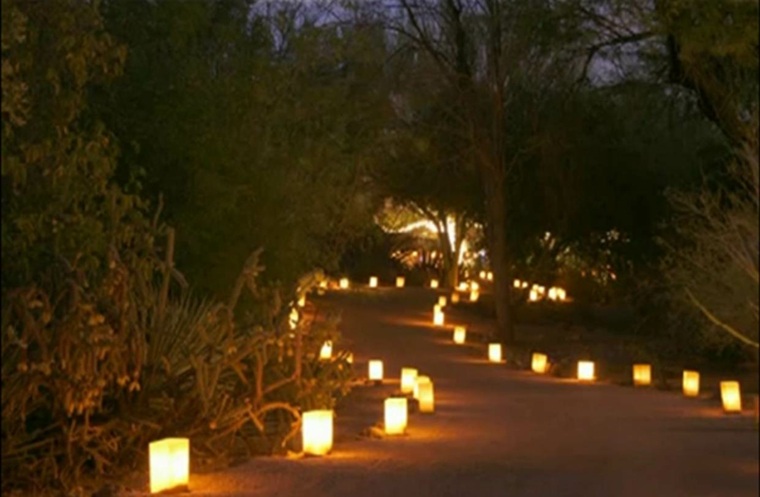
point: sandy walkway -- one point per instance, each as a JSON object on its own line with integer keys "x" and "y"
{"x": 501, "y": 432}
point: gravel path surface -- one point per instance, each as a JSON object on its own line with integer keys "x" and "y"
{"x": 498, "y": 431}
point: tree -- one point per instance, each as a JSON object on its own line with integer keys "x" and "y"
{"x": 258, "y": 126}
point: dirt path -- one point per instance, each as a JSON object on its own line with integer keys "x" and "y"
{"x": 501, "y": 432}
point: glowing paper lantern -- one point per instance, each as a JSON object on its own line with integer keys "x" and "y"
{"x": 494, "y": 352}
{"x": 433, "y": 283}
{"x": 538, "y": 363}
{"x": 373, "y": 282}
{"x": 408, "y": 379}
{"x": 442, "y": 301}
{"x": 474, "y": 295}
{"x": 533, "y": 297}
{"x": 395, "y": 415}
{"x": 375, "y": 370}
{"x": 460, "y": 332}
{"x": 425, "y": 397}
{"x": 302, "y": 301}
{"x": 463, "y": 287}
{"x": 585, "y": 370}
{"x": 169, "y": 464}
{"x": 525, "y": 284}
{"x": 400, "y": 282}
{"x": 455, "y": 298}
{"x": 323, "y": 284}
{"x": 350, "y": 358}
{"x": 642, "y": 374}
{"x": 343, "y": 283}
{"x": 561, "y": 294}
{"x": 420, "y": 380}
{"x": 482, "y": 275}
{"x": 690, "y": 383}
{"x": 326, "y": 351}
{"x": 474, "y": 286}
{"x": 516, "y": 283}
{"x": 438, "y": 317}
{"x": 317, "y": 431}
{"x": 731, "y": 396}
{"x": 489, "y": 276}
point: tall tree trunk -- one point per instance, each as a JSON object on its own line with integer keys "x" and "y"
{"x": 496, "y": 208}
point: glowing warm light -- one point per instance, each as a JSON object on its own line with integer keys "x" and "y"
{"x": 317, "y": 431}
{"x": 474, "y": 286}
{"x": 343, "y": 283}
{"x": 455, "y": 298}
{"x": 585, "y": 370}
{"x": 642, "y": 374}
{"x": 442, "y": 301}
{"x": 169, "y": 464}
{"x": 426, "y": 398}
{"x": 561, "y": 294}
{"x": 420, "y": 380}
{"x": 516, "y": 283}
{"x": 433, "y": 283}
{"x": 524, "y": 284}
{"x": 302, "y": 301}
{"x": 494, "y": 352}
{"x": 463, "y": 287}
{"x": 326, "y": 351}
{"x": 375, "y": 370}
{"x": 482, "y": 275}
{"x": 533, "y": 297}
{"x": 350, "y": 358}
{"x": 323, "y": 284}
{"x": 731, "y": 397}
{"x": 538, "y": 363}
{"x": 690, "y": 383}
{"x": 293, "y": 318}
{"x": 460, "y": 332}
{"x": 408, "y": 379}
{"x": 474, "y": 295}
{"x": 395, "y": 415}
{"x": 489, "y": 276}
{"x": 373, "y": 282}
{"x": 400, "y": 282}
{"x": 438, "y": 317}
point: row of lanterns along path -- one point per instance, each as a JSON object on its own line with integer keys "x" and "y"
{"x": 170, "y": 457}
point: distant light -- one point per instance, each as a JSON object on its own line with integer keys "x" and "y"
{"x": 375, "y": 370}
{"x": 586, "y": 371}
{"x": 494, "y": 352}
{"x": 642, "y": 374}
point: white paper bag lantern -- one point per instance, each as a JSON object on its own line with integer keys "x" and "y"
{"x": 460, "y": 333}
{"x": 375, "y": 370}
{"x": 438, "y": 317}
{"x": 400, "y": 282}
{"x": 325, "y": 352}
{"x": 317, "y": 431}
{"x": 474, "y": 295}
{"x": 343, "y": 283}
{"x": 642, "y": 375}
{"x": 730, "y": 395}
{"x": 442, "y": 301}
{"x": 690, "y": 383}
{"x": 426, "y": 398}
{"x": 395, "y": 415}
{"x": 482, "y": 275}
{"x": 433, "y": 283}
{"x": 373, "y": 282}
{"x": 169, "y": 464}
{"x": 585, "y": 370}
{"x": 539, "y": 363}
{"x": 417, "y": 382}
{"x": 494, "y": 352}
{"x": 408, "y": 378}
